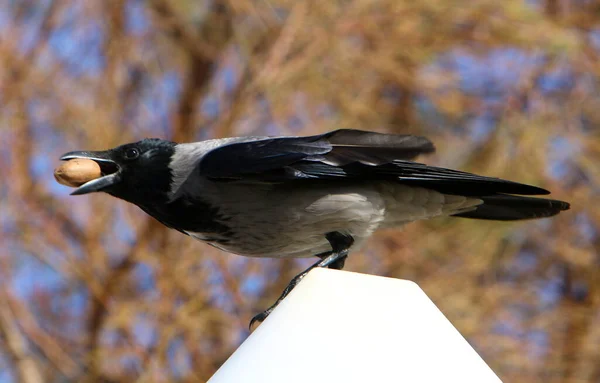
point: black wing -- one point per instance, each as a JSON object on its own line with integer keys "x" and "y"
{"x": 347, "y": 155}
{"x": 338, "y": 148}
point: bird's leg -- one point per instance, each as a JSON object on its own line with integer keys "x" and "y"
{"x": 340, "y": 243}
{"x": 337, "y": 265}
{"x": 264, "y": 314}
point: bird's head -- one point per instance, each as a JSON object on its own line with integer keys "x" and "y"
{"x": 138, "y": 172}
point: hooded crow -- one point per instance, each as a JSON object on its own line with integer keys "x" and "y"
{"x": 321, "y": 195}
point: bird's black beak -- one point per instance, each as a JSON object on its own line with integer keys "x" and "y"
{"x": 111, "y": 171}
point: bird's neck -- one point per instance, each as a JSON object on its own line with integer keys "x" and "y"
{"x": 187, "y": 216}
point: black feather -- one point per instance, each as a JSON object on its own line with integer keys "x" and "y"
{"x": 370, "y": 148}
{"x": 337, "y": 148}
{"x": 511, "y": 208}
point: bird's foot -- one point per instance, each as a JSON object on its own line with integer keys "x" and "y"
{"x": 260, "y": 317}
{"x": 340, "y": 243}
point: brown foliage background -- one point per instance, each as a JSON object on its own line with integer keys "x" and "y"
{"x": 91, "y": 289}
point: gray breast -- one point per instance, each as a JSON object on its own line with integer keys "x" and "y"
{"x": 290, "y": 221}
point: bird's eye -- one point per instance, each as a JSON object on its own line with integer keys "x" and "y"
{"x": 131, "y": 154}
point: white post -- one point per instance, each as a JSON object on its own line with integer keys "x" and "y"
{"x": 338, "y": 326}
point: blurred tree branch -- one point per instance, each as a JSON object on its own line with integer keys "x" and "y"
{"x": 94, "y": 290}
{"x": 26, "y": 366}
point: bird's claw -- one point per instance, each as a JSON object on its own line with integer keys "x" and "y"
{"x": 260, "y": 317}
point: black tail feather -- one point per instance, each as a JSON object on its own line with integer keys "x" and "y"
{"x": 503, "y": 207}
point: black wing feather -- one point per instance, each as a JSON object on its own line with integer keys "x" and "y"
{"x": 337, "y": 148}
{"x": 348, "y": 155}
{"x": 511, "y": 208}
{"x": 410, "y": 173}
{"x": 369, "y": 148}
{"x": 254, "y": 157}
